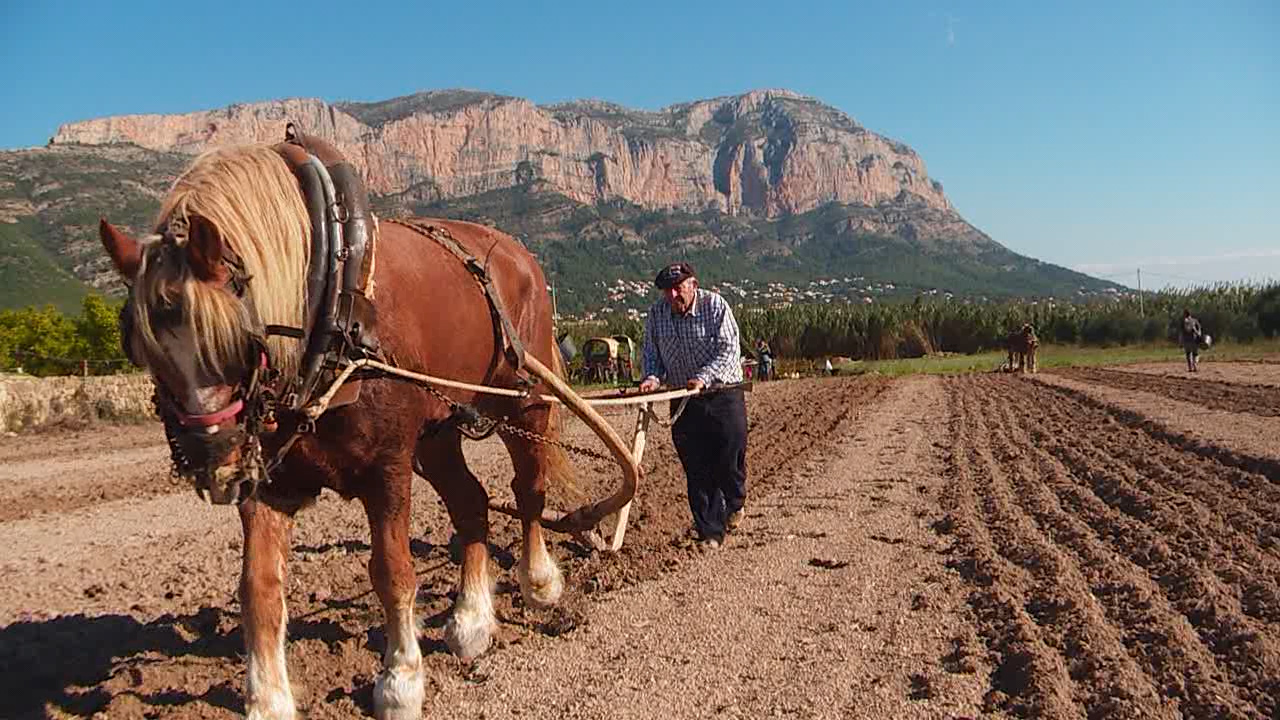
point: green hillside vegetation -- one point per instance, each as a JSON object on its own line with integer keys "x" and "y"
{"x": 1230, "y": 312}
{"x": 581, "y": 246}
{"x": 51, "y": 255}
{"x": 31, "y": 274}
{"x": 45, "y": 341}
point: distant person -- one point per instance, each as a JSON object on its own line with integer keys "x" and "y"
{"x": 1190, "y": 335}
{"x": 764, "y": 357}
{"x": 826, "y": 367}
{"x": 1022, "y": 345}
{"x": 691, "y": 340}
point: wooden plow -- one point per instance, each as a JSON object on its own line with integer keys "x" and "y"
{"x": 582, "y": 522}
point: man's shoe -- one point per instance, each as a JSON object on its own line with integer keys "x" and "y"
{"x": 735, "y": 519}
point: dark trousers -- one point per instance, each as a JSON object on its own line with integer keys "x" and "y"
{"x": 1192, "y": 350}
{"x": 711, "y": 439}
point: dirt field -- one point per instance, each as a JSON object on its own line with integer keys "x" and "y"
{"x": 1261, "y": 372}
{"x": 1096, "y": 543}
{"x": 1232, "y": 396}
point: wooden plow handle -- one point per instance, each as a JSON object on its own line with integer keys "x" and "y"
{"x": 588, "y": 516}
{"x": 645, "y": 414}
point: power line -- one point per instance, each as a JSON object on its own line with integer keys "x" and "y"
{"x": 1171, "y": 276}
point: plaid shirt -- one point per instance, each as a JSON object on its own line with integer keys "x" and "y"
{"x": 702, "y": 344}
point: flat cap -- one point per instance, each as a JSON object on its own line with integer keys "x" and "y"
{"x": 673, "y": 274}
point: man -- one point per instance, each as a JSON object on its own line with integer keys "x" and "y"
{"x": 1190, "y": 334}
{"x": 691, "y": 340}
{"x": 764, "y": 360}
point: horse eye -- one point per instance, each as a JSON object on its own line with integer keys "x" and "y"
{"x": 168, "y": 312}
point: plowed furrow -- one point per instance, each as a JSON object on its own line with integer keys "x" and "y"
{"x": 1211, "y": 473}
{"x": 1171, "y": 537}
{"x": 1194, "y": 501}
{"x": 1261, "y": 400}
{"x": 1161, "y": 641}
{"x": 1030, "y": 678}
{"x": 1105, "y": 681}
{"x": 1257, "y": 461}
{"x": 1114, "y": 638}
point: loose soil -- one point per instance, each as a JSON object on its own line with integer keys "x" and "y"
{"x": 1193, "y": 388}
{"x": 1114, "y": 573}
{"x": 986, "y": 545}
{"x": 1233, "y": 437}
{"x": 1244, "y": 372}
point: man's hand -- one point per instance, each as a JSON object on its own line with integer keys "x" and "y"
{"x": 649, "y": 384}
{"x": 695, "y": 384}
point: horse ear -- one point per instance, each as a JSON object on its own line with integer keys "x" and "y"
{"x": 125, "y": 252}
{"x": 204, "y": 250}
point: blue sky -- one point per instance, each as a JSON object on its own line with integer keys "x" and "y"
{"x": 1102, "y": 136}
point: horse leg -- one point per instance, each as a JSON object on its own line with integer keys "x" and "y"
{"x": 268, "y": 695}
{"x": 470, "y": 626}
{"x": 540, "y": 580}
{"x": 399, "y": 690}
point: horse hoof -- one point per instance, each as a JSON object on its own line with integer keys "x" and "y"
{"x": 398, "y": 695}
{"x": 544, "y": 590}
{"x": 468, "y": 633}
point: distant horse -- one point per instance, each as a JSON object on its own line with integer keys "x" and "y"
{"x": 1022, "y": 345}
{"x": 217, "y": 312}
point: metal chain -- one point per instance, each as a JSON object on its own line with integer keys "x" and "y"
{"x": 507, "y": 428}
{"x": 178, "y": 462}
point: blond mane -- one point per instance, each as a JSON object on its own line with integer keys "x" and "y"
{"x": 248, "y": 193}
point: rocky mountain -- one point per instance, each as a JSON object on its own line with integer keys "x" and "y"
{"x": 754, "y": 183}
{"x": 767, "y": 152}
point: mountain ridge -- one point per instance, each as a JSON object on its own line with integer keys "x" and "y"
{"x": 772, "y": 180}
{"x": 765, "y": 152}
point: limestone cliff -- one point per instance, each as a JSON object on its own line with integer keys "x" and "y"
{"x": 764, "y": 153}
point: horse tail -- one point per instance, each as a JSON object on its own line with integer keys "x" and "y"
{"x": 560, "y": 473}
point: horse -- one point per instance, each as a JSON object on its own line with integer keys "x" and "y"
{"x": 213, "y": 294}
{"x": 1022, "y": 345}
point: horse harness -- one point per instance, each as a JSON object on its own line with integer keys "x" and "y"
{"x": 505, "y": 332}
{"x": 340, "y": 323}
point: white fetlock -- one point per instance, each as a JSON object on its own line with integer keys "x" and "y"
{"x": 541, "y": 589}
{"x": 267, "y": 698}
{"x": 281, "y": 709}
{"x": 398, "y": 694}
{"x": 469, "y": 630}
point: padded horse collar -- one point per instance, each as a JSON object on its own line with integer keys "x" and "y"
{"x": 340, "y": 317}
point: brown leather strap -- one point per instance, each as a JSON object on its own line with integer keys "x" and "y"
{"x": 514, "y": 348}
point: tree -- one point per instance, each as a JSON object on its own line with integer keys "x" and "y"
{"x": 1267, "y": 307}
{"x": 46, "y": 342}
{"x": 39, "y": 341}
{"x": 98, "y": 331}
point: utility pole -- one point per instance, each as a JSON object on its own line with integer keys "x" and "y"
{"x": 1141, "y": 313}
{"x": 555, "y": 314}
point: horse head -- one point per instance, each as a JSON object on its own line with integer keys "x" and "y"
{"x": 190, "y": 321}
